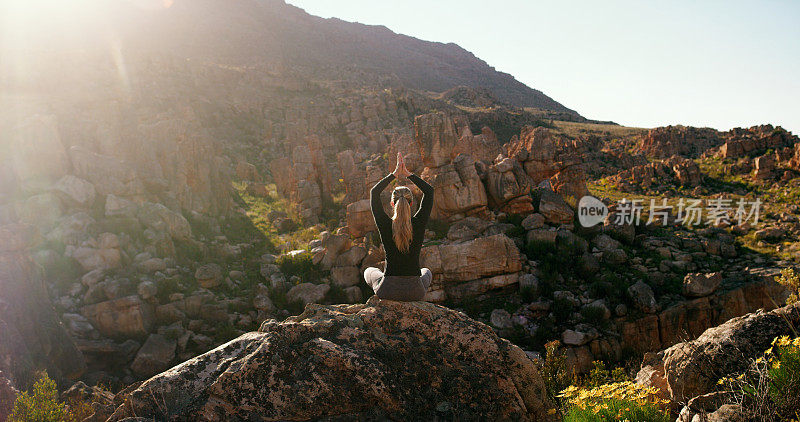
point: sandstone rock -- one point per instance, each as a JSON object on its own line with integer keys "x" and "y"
{"x": 699, "y": 284}
{"x": 458, "y": 190}
{"x": 160, "y": 218}
{"x": 482, "y": 257}
{"x": 72, "y": 229}
{"x": 509, "y": 186}
{"x": 436, "y": 137}
{"x": 351, "y": 257}
{"x": 331, "y": 353}
{"x": 533, "y": 221}
{"x": 553, "y": 208}
{"x": 576, "y": 338}
{"x": 37, "y": 153}
{"x": 208, "y": 276}
{"x": 155, "y": 356}
{"x": 604, "y": 242}
{"x": 116, "y": 206}
{"x": 147, "y": 290}
{"x": 467, "y": 229}
{"x": 500, "y": 319}
{"x": 124, "y": 317}
{"x": 692, "y": 368}
{"x": 77, "y": 190}
{"x": 529, "y": 282}
{"x": 306, "y": 293}
{"x": 473, "y": 288}
{"x": 642, "y": 296}
{"x": 262, "y": 302}
{"x": 246, "y": 171}
{"x": 103, "y": 254}
{"x": 92, "y": 277}
{"x": 353, "y": 294}
{"x": 151, "y": 265}
{"x": 765, "y": 166}
{"x": 345, "y": 276}
{"x": 542, "y": 236}
{"x": 109, "y": 175}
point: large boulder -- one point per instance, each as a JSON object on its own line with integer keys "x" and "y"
{"x": 478, "y": 258}
{"x": 699, "y": 284}
{"x": 359, "y": 218}
{"x": 127, "y": 316}
{"x": 553, "y": 207}
{"x": 154, "y": 356}
{"x": 458, "y": 190}
{"x": 379, "y": 360}
{"x": 692, "y": 368}
{"x": 470, "y": 268}
{"x": 436, "y": 137}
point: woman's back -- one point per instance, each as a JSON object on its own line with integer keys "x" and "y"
{"x": 397, "y": 262}
{"x": 402, "y": 238}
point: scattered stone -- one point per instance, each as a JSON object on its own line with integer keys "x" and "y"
{"x": 155, "y": 356}
{"x": 147, "y": 290}
{"x": 209, "y": 276}
{"x": 642, "y": 296}
{"x": 306, "y": 293}
{"x": 533, "y": 221}
{"x": 500, "y": 319}
{"x": 699, "y": 284}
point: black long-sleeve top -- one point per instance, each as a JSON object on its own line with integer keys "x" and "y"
{"x": 398, "y": 263}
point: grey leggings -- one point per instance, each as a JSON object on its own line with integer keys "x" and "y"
{"x": 400, "y": 288}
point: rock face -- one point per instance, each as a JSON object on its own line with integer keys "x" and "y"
{"x": 355, "y": 362}
{"x": 31, "y": 336}
{"x": 692, "y": 368}
{"x": 473, "y": 267}
{"x": 458, "y": 190}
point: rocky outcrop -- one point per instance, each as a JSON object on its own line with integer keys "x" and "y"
{"x": 353, "y": 362}
{"x": 458, "y": 190}
{"x": 690, "y": 142}
{"x": 472, "y": 267}
{"x": 32, "y": 335}
{"x": 660, "y": 175}
{"x": 546, "y": 156}
{"x": 692, "y": 368}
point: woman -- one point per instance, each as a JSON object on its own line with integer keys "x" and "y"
{"x": 402, "y": 237}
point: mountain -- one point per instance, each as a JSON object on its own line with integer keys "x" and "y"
{"x": 273, "y": 33}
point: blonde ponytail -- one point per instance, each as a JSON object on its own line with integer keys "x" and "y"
{"x": 402, "y": 231}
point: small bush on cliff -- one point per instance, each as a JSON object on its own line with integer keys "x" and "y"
{"x": 791, "y": 281}
{"x": 40, "y": 405}
{"x": 770, "y": 389}
{"x": 613, "y": 402}
{"x": 553, "y": 369}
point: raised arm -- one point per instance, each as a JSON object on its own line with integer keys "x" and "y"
{"x": 375, "y": 199}
{"x": 426, "y": 204}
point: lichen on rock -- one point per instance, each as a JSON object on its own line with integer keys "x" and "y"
{"x": 382, "y": 359}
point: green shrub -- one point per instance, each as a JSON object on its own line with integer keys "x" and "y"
{"x": 770, "y": 389}
{"x": 41, "y": 405}
{"x": 554, "y": 370}
{"x": 300, "y": 264}
{"x": 599, "y": 375}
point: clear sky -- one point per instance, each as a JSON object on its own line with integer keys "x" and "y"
{"x": 642, "y": 63}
